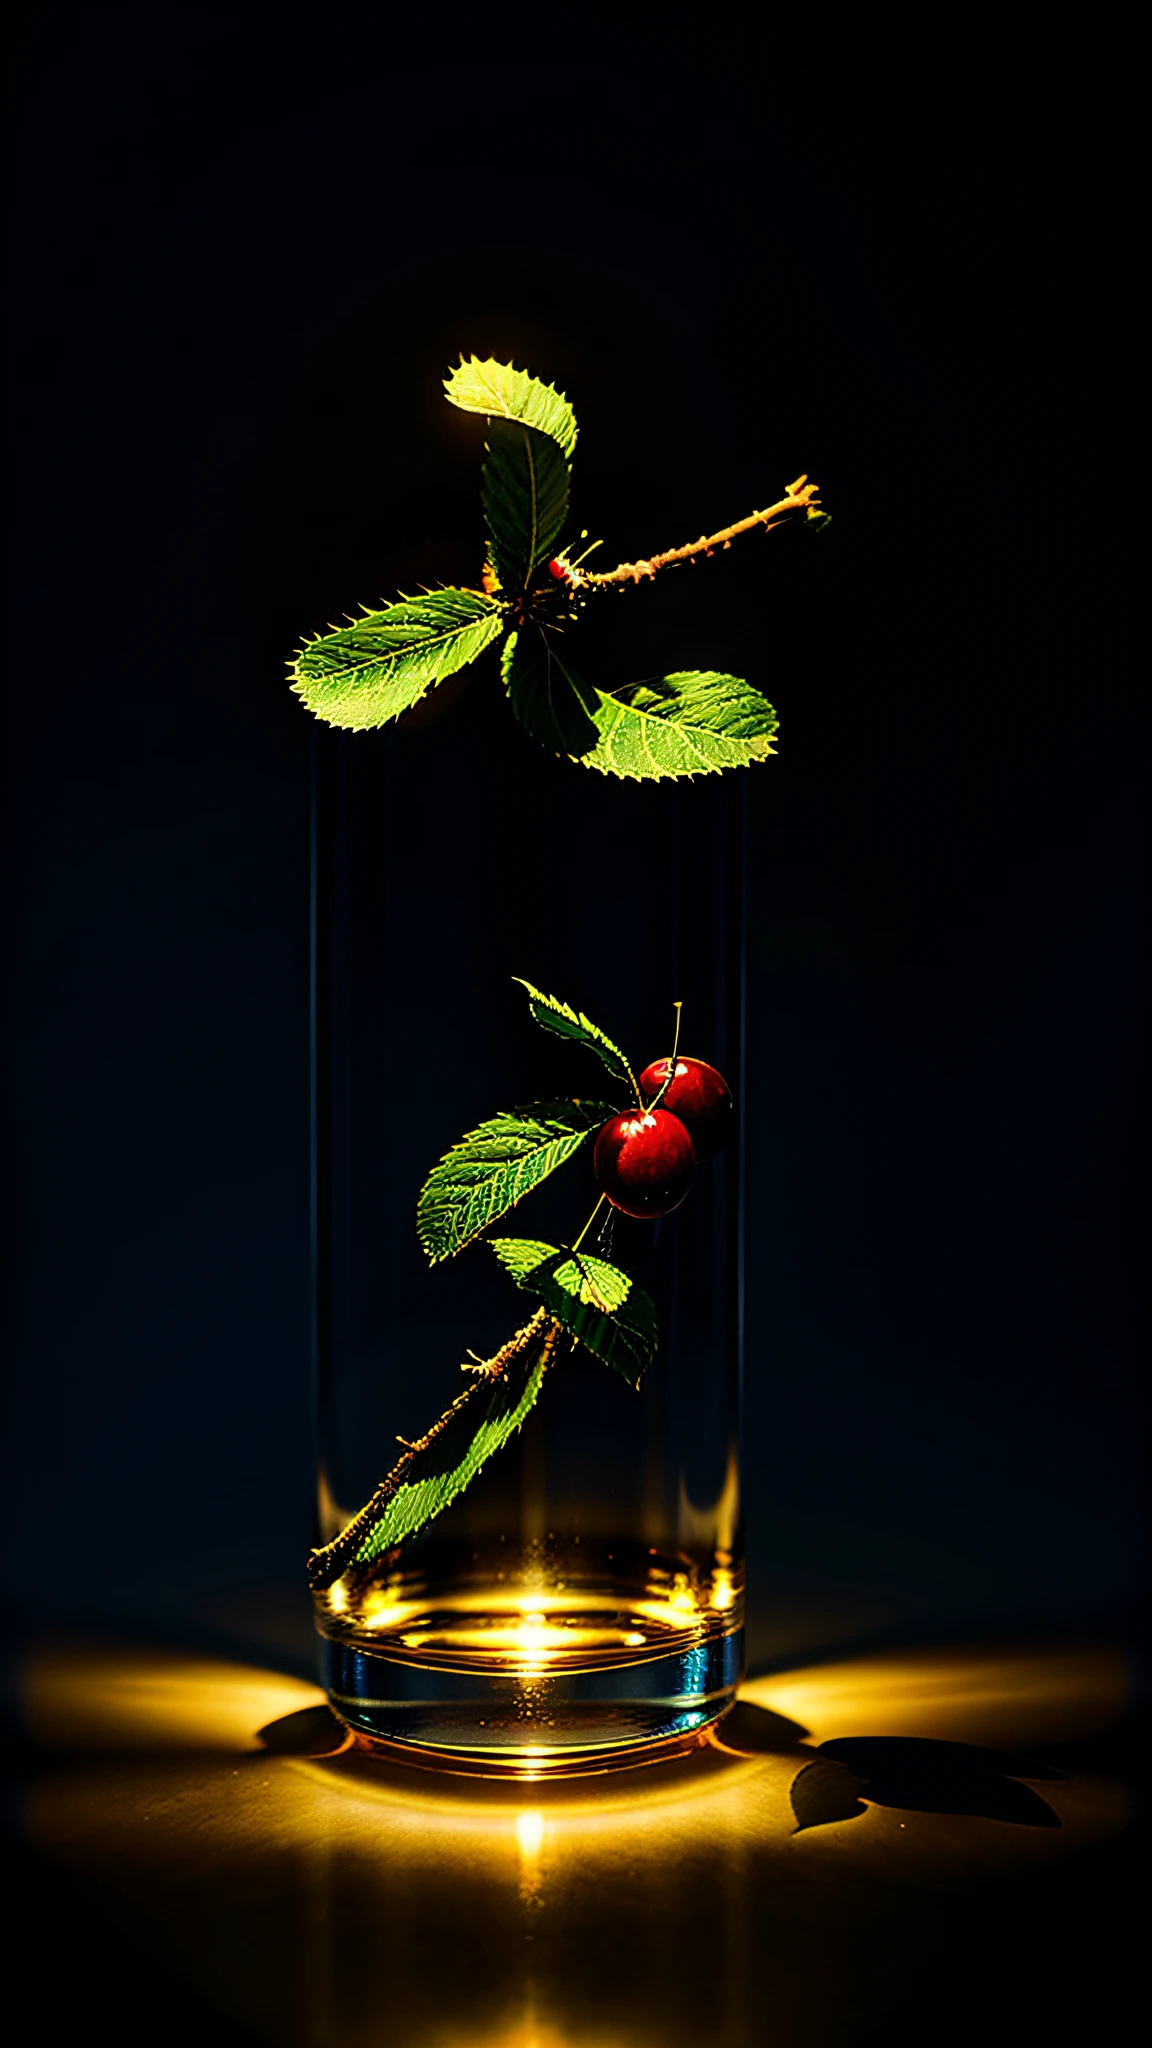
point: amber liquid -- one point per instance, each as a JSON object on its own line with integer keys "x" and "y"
{"x": 538, "y": 1663}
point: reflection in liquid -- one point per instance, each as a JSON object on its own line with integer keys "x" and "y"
{"x": 515, "y": 1627}
{"x": 323, "y": 1899}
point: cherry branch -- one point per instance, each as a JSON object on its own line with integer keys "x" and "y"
{"x": 332, "y": 1560}
{"x": 801, "y": 497}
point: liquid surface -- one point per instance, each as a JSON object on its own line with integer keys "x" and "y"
{"x": 520, "y": 1623}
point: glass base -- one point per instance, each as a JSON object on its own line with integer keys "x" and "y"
{"x": 502, "y": 1718}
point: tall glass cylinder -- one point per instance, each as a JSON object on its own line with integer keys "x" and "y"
{"x": 580, "y": 1604}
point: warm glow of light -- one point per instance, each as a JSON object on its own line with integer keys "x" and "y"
{"x": 529, "y": 1833}
{"x": 969, "y": 1695}
{"x": 534, "y": 1641}
{"x": 513, "y": 1607}
{"x": 531, "y": 2034}
{"x": 534, "y": 2033}
{"x": 723, "y": 1591}
{"x": 682, "y": 1600}
{"x": 139, "y": 1702}
{"x": 574, "y": 1911}
{"x": 381, "y": 1611}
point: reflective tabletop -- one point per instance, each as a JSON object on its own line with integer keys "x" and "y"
{"x": 882, "y": 1847}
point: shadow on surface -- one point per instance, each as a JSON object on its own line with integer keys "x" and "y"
{"x": 918, "y": 1775}
{"x": 315, "y": 1732}
{"x": 310, "y": 1731}
{"x": 749, "y": 1730}
{"x": 206, "y": 1816}
{"x": 911, "y": 1773}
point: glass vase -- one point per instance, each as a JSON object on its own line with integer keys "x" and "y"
{"x": 579, "y": 1606}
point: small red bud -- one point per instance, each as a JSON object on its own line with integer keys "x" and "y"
{"x": 559, "y": 570}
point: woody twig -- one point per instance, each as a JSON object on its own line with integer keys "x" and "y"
{"x": 801, "y": 496}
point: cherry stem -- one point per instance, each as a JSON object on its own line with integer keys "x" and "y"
{"x": 671, "y": 1074}
{"x": 584, "y": 557}
{"x": 801, "y": 497}
{"x": 588, "y": 1225}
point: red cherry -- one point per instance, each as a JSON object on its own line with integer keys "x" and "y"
{"x": 643, "y": 1162}
{"x": 698, "y": 1095}
{"x": 559, "y": 570}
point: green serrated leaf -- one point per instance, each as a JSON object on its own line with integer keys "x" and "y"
{"x": 520, "y": 1255}
{"x": 501, "y": 392}
{"x": 585, "y": 1278}
{"x": 434, "y": 1471}
{"x": 598, "y": 1303}
{"x": 694, "y": 723}
{"x": 626, "y": 1340}
{"x": 546, "y": 694}
{"x": 594, "y": 1281}
{"x": 566, "y": 1022}
{"x": 362, "y": 675}
{"x": 524, "y": 492}
{"x": 494, "y": 1166}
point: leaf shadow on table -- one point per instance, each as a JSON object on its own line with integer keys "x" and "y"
{"x": 918, "y": 1775}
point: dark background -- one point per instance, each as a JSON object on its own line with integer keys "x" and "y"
{"x": 247, "y": 243}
